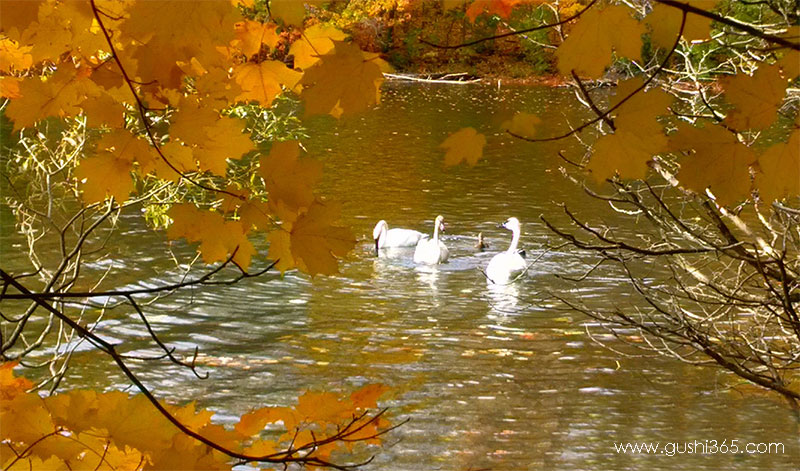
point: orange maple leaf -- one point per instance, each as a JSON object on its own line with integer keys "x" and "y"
{"x": 12, "y": 385}
{"x": 367, "y": 396}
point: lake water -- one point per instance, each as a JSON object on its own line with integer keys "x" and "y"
{"x": 499, "y": 378}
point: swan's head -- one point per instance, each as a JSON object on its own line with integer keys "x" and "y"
{"x": 439, "y": 223}
{"x": 511, "y": 224}
{"x": 380, "y": 229}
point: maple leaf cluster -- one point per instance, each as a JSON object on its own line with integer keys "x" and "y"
{"x": 125, "y": 67}
{"x": 715, "y": 158}
{"x": 104, "y": 431}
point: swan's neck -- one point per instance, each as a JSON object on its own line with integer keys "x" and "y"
{"x": 514, "y": 241}
{"x": 383, "y": 235}
{"x": 436, "y": 232}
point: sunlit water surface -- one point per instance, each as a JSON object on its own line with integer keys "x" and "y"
{"x": 497, "y": 378}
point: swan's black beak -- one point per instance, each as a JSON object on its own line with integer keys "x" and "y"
{"x": 377, "y": 250}
{"x": 502, "y": 225}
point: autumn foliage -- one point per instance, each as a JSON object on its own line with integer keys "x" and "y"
{"x": 86, "y": 429}
{"x": 113, "y": 63}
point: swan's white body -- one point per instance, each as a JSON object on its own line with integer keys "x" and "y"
{"x": 386, "y": 238}
{"x": 508, "y": 265}
{"x": 432, "y": 251}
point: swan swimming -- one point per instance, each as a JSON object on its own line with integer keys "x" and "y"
{"x": 386, "y": 238}
{"x": 432, "y": 251}
{"x": 508, "y": 265}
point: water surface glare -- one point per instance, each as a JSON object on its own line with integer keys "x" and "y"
{"x": 491, "y": 378}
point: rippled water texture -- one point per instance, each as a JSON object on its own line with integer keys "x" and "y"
{"x": 496, "y": 378}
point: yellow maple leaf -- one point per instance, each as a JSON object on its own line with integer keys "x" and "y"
{"x": 179, "y": 156}
{"x": 104, "y": 110}
{"x": 778, "y": 174}
{"x": 216, "y": 89}
{"x": 98, "y": 454}
{"x": 108, "y": 173}
{"x": 755, "y": 98}
{"x": 130, "y": 420}
{"x": 25, "y": 419}
{"x": 522, "y": 124}
{"x": 250, "y": 35}
{"x": 463, "y": 145}
{"x": 342, "y": 82}
{"x": 624, "y": 153}
{"x": 9, "y": 87}
{"x": 17, "y": 15}
{"x": 189, "y": 123}
{"x": 720, "y": 162}
{"x": 59, "y": 95}
{"x": 665, "y": 22}
{"x": 218, "y": 237}
{"x": 639, "y": 112}
{"x": 233, "y": 198}
{"x": 254, "y": 214}
{"x": 262, "y": 82}
{"x": 790, "y": 58}
{"x": 587, "y": 49}
{"x": 317, "y": 242}
{"x": 312, "y": 242}
{"x": 169, "y": 32}
{"x": 13, "y": 57}
{"x": 261, "y": 448}
{"x": 288, "y": 178}
{"x": 313, "y": 43}
{"x": 280, "y": 247}
{"x": 50, "y": 36}
{"x": 224, "y": 140}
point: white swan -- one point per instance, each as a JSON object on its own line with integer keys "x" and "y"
{"x": 432, "y": 251}
{"x": 386, "y": 238}
{"x": 507, "y": 265}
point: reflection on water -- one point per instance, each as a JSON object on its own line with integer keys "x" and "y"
{"x": 504, "y": 299}
{"x": 492, "y": 377}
